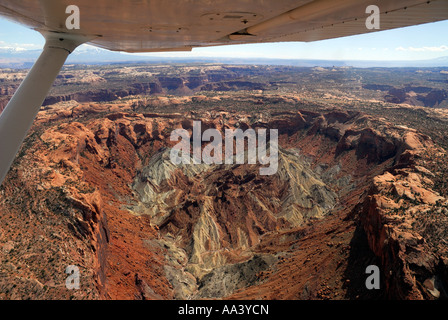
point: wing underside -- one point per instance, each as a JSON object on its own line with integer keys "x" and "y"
{"x": 164, "y": 25}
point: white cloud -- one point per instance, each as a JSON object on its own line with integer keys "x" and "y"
{"x": 424, "y": 49}
{"x": 18, "y": 46}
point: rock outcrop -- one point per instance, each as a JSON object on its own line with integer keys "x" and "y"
{"x": 101, "y": 192}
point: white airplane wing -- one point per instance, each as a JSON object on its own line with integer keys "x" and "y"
{"x": 162, "y": 25}
{"x": 166, "y": 25}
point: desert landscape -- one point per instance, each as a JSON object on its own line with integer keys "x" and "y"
{"x": 361, "y": 180}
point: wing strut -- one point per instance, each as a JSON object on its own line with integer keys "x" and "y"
{"x": 18, "y": 116}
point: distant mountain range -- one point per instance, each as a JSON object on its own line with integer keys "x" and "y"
{"x": 91, "y": 55}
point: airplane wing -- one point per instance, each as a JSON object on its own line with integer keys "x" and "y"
{"x": 166, "y": 25}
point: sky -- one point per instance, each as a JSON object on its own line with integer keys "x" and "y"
{"x": 426, "y": 41}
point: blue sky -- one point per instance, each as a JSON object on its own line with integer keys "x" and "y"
{"x": 420, "y": 42}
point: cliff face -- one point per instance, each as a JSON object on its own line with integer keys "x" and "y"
{"x": 5, "y": 94}
{"x": 406, "y": 224}
{"x": 101, "y": 193}
{"x": 418, "y": 96}
{"x": 161, "y": 84}
{"x": 105, "y": 95}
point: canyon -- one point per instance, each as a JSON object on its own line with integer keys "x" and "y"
{"x": 358, "y": 184}
{"x": 102, "y": 194}
{"x": 100, "y": 83}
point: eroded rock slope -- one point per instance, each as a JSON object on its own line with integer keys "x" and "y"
{"x": 101, "y": 192}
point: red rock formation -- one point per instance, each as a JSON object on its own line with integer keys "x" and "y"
{"x": 101, "y": 189}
